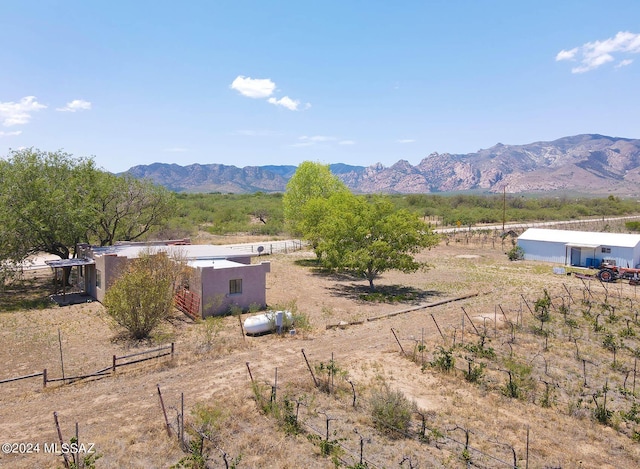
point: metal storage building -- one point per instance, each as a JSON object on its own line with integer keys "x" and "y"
{"x": 580, "y": 248}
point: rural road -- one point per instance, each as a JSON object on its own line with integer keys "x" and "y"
{"x": 511, "y": 226}
{"x": 270, "y": 247}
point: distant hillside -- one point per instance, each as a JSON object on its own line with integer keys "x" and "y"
{"x": 582, "y": 164}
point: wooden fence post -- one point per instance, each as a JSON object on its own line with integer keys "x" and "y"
{"x": 64, "y": 454}
{"x": 182, "y": 419}
{"x": 472, "y": 324}
{"x": 310, "y": 370}
{"x": 249, "y": 370}
{"x": 394, "y": 335}
{"x": 164, "y": 412}
{"x": 438, "y": 327}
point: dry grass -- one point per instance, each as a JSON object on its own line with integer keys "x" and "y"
{"x": 122, "y": 415}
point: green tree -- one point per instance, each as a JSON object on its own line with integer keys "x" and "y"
{"x": 126, "y": 208}
{"x": 51, "y": 201}
{"x": 44, "y": 203}
{"x": 311, "y": 180}
{"x": 367, "y": 239}
{"x": 142, "y": 296}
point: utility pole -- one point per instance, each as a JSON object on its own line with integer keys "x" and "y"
{"x": 504, "y": 206}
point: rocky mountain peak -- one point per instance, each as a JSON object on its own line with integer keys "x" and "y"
{"x": 583, "y": 164}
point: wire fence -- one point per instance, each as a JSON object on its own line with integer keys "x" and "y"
{"x": 116, "y": 362}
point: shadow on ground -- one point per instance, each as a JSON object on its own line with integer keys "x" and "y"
{"x": 30, "y": 292}
{"x": 384, "y": 293}
{"x": 73, "y": 298}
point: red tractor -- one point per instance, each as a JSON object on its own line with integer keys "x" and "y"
{"x": 612, "y": 273}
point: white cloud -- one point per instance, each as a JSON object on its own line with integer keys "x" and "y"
{"x": 285, "y": 101}
{"x": 176, "y": 150}
{"x": 595, "y": 54}
{"x": 346, "y": 142}
{"x": 406, "y": 140}
{"x": 317, "y": 138}
{"x": 75, "y": 105}
{"x": 19, "y": 113}
{"x": 306, "y": 141}
{"x": 567, "y": 54}
{"x": 264, "y": 88}
{"x": 624, "y": 63}
{"x": 253, "y": 87}
{"x": 10, "y": 134}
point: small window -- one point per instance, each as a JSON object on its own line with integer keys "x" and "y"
{"x": 235, "y": 286}
{"x": 98, "y": 279}
{"x": 606, "y": 250}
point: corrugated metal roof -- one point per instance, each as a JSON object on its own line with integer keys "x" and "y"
{"x": 60, "y": 263}
{"x": 590, "y": 238}
{"x": 190, "y": 252}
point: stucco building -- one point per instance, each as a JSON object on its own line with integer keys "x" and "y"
{"x": 217, "y": 276}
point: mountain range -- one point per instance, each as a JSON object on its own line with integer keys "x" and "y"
{"x": 587, "y": 164}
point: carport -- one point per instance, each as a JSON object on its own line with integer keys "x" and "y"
{"x": 66, "y": 265}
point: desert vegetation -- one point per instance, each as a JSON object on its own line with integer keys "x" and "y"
{"x": 477, "y": 358}
{"x": 530, "y": 367}
{"x": 263, "y": 214}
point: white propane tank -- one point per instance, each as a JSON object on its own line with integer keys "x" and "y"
{"x": 266, "y": 322}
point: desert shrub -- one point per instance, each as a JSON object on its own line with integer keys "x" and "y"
{"x": 79, "y": 460}
{"x": 519, "y": 382}
{"x": 475, "y": 372}
{"x": 516, "y": 253}
{"x": 443, "y": 359}
{"x": 632, "y": 225}
{"x": 327, "y": 373}
{"x": 204, "y": 426}
{"x": 391, "y": 410}
{"x": 299, "y": 320}
{"x": 328, "y": 447}
{"x": 210, "y": 329}
{"x": 142, "y": 296}
{"x": 480, "y": 350}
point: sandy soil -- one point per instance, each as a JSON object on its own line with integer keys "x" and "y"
{"x": 121, "y": 414}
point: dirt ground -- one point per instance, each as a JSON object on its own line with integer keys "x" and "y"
{"x": 121, "y": 414}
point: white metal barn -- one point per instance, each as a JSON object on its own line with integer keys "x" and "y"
{"x": 580, "y": 248}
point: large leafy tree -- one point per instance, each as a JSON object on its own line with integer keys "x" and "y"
{"x": 51, "y": 201}
{"x": 126, "y": 208}
{"x": 311, "y": 180}
{"x": 45, "y": 203}
{"x": 368, "y": 238}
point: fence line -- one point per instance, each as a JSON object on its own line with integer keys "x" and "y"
{"x": 270, "y": 247}
{"x": 103, "y": 372}
{"x": 414, "y": 435}
{"x": 33, "y": 375}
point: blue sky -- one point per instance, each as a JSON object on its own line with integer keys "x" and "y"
{"x": 280, "y": 82}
